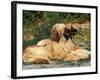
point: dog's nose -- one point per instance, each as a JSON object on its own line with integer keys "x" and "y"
{"x": 73, "y": 29}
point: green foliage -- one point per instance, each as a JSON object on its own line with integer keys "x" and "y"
{"x": 33, "y": 41}
{"x": 83, "y": 38}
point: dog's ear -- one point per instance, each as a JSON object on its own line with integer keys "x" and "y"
{"x": 55, "y": 36}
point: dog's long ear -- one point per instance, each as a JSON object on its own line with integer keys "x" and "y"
{"x": 55, "y": 36}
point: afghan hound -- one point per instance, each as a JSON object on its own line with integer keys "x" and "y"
{"x": 58, "y": 47}
{"x": 61, "y": 43}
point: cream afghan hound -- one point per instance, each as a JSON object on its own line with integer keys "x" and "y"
{"x": 58, "y": 47}
{"x": 62, "y": 45}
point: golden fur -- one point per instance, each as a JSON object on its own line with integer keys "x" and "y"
{"x": 58, "y": 47}
{"x": 36, "y": 54}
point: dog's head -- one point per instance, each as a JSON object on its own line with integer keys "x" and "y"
{"x": 61, "y": 29}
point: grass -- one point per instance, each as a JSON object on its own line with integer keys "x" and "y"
{"x": 83, "y": 38}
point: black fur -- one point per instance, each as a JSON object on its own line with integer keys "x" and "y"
{"x": 69, "y": 33}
